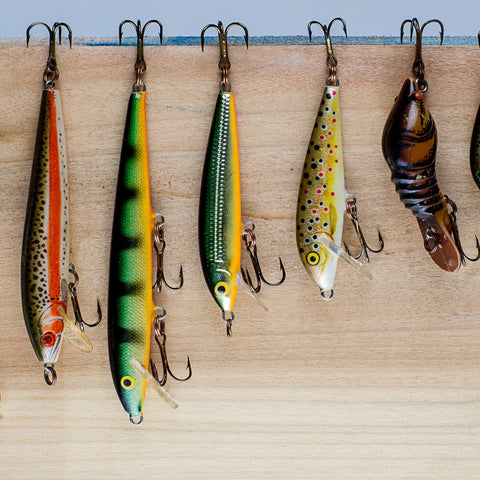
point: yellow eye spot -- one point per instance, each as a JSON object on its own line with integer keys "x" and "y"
{"x": 313, "y": 258}
{"x": 127, "y": 382}
{"x": 221, "y": 289}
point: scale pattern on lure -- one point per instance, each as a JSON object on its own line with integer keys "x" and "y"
{"x": 130, "y": 299}
{"x": 220, "y": 225}
{"x": 45, "y": 244}
{"x": 322, "y": 196}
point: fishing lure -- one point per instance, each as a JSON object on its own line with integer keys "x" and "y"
{"x": 322, "y": 199}
{"x": 220, "y": 223}
{"x": 475, "y": 145}
{"x": 45, "y": 252}
{"x": 131, "y": 309}
{"x": 409, "y": 145}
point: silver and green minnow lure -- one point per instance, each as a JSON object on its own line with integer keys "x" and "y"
{"x": 220, "y": 223}
{"x": 45, "y": 252}
{"x": 136, "y": 229}
{"x": 322, "y": 199}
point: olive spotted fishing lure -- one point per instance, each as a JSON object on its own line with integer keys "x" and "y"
{"x": 475, "y": 145}
{"x": 220, "y": 224}
{"x": 45, "y": 251}
{"x": 131, "y": 309}
{"x": 322, "y": 199}
{"x": 409, "y": 146}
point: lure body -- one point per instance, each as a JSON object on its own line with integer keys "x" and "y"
{"x": 475, "y": 150}
{"x": 322, "y": 196}
{"x": 130, "y": 299}
{"x": 45, "y": 250}
{"x": 220, "y": 225}
{"x": 409, "y": 145}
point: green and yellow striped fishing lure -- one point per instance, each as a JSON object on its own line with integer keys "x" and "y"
{"x": 130, "y": 299}
{"x": 136, "y": 230}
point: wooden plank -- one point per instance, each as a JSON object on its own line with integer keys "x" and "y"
{"x": 383, "y": 382}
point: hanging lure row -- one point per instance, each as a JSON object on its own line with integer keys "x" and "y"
{"x": 409, "y": 146}
{"x": 45, "y": 253}
{"x": 131, "y": 309}
{"x": 322, "y": 199}
{"x": 220, "y": 229}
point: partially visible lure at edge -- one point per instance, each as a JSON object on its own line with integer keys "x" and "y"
{"x": 475, "y": 145}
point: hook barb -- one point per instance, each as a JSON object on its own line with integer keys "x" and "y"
{"x": 161, "y": 339}
{"x": 51, "y": 73}
{"x": 351, "y": 212}
{"x": 250, "y": 241}
{"x": 331, "y": 59}
{"x": 418, "y": 67}
{"x": 159, "y": 245}
{"x": 140, "y": 65}
{"x": 72, "y": 288}
{"x": 224, "y": 63}
{"x": 456, "y": 233}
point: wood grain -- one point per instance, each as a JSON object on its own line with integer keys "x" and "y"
{"x": 383, "y": 382}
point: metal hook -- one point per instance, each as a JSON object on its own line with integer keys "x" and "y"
{"x": 456, "y": 233}
{"x": 351, "y": 212}
{"x": 224, "y": 63}
{"x": 140, "y": 65}
{"x": 51, "y": 73}
{"x": 72, "y": 288}
{"x": 418, "y": 67}
{"x": 159, "y": 244}
{"x": 250, "y": 241}
{"x": 161, "y": 339}
{"x": 331, "y": 59}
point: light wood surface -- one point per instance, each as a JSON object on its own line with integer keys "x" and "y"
{"x": 383, "y": 382}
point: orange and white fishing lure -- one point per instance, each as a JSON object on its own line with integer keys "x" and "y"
{"x": 45, "y": 252}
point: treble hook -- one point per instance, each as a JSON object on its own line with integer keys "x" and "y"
{"x": 159, "y": 244}
{"x": 51, "y": 73}
{"x": 331, "y": 59}
{"x": 161, "y": 339}
{"x": 418, "y": 67}
{"x": 456, "y": 233}
{"x": 140, "y": 65}
{"x": 72, "y": 288}
{"x": 250, "y": 241}
{"x": 351, "y": 212}
{"x": 224, "y": 63}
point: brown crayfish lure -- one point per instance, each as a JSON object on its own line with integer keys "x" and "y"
{"x": 409, "y": 145}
